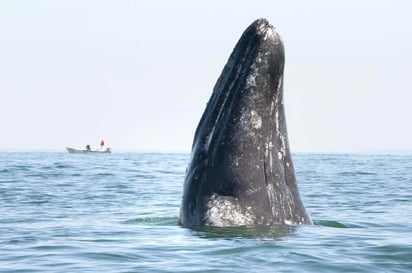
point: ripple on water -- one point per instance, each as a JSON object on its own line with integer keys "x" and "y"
{"x": 64, "y": 213}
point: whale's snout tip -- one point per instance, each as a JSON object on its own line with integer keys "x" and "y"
{"x": 264, "y": 29}
{"x": 262, "y": 22}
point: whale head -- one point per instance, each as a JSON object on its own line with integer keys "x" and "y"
{"x": 241, "y": 170}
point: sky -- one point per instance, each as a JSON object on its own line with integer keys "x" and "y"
{"x": 138, "y": 74}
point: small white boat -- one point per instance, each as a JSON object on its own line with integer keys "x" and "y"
{"x": 85, "y": 151}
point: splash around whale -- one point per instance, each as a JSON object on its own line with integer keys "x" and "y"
{"x": 241, "y": 170}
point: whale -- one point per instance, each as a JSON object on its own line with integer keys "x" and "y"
{"x": 240, "y": 171}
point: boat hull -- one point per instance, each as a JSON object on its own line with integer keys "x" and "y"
{"x": 84, "y": 151}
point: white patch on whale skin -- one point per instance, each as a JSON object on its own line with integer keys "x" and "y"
{"x": 294, "y": 223}
{"x": 226, "y": 211}
{"x": 236, "y": 161}
{"x": 280, "y": 155}
{"x": 272, "y": 107}
{"x": 268, "y": 30}
{"x": 277, "y": 103}
{"x": 255, "y": 119}
{"x": 251, "y": 81}
{"x": 270, "y": 33}
{"x": 268, "y": 148}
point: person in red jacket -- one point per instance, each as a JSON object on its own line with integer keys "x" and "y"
{"x": 101, "y": 144}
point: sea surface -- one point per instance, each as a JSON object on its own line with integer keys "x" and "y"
{"x": 118, "y": 212}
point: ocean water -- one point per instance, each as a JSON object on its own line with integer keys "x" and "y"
{"x": 63, "y": 212}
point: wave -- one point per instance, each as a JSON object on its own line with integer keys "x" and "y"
{"x": 356, "y": 173}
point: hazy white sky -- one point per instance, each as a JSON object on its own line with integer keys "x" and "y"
{"x": 138, "y": 74}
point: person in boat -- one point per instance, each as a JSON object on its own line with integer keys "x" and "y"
{"x": 101, "y": 144}
{"x": 88, "y": 147}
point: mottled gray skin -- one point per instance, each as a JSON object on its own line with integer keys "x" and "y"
{"x": 241, "y": 170}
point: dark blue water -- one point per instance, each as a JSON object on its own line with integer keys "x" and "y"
{"x": 118, "y": 213}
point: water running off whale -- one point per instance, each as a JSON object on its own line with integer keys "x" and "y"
{"x": 241, "y": 170}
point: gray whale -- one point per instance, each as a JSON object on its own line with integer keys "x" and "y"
{"x": 241, "y": 170}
